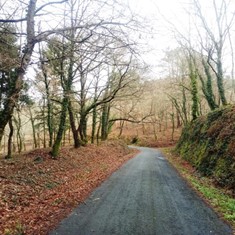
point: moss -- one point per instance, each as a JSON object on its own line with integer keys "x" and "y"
{"x": 221, "y": 172}
{"x": 208, "y": 143}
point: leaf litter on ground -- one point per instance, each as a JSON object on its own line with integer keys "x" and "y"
{"x": 37, "y": 192}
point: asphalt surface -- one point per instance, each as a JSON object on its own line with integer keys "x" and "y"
{"x": 145, "y": 197}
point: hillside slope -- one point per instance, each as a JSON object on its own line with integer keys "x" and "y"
{"x": 208, "y": 143}
{"x": 36, "y": 191}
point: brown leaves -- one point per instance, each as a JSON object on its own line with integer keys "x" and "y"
{"x": 36, "y": 195}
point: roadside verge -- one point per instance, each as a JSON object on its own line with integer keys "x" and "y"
{"x": 221, "y": 200}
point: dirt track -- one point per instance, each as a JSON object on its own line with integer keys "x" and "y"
{"x": 145, "y": 197}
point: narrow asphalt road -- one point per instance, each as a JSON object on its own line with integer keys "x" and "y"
{"x": 145, "y": 197}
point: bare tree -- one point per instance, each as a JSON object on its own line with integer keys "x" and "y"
{"x": 32, "y": 37}
{"x": 214, "y": 42}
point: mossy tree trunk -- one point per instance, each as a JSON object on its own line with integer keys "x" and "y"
{"x": 59, "y": 136}
{"x": 184, "y": 106}
{"x": 76, "y": 140}
{"x": 173, "y": 125}
{"x": 220, "y": 78}
{"x": 66, "y": 72}
{"x": 94, "y": 124}
{"x": 105, "y": 121}
{"x": 82, "y": 128}
{"x": 207, "y": 86}
{"x": 9, "y": 143}
{"x": 13, "y": 94}
{"x": 94, "y": 116}
{"x": 18, "y": 125}
{"x": 178, "y": 120}
{"x": 44, "y": 125}
{"x": 66, "y": 83}
{"x": 194, "y": 90}
{"x": 98, "y": 132}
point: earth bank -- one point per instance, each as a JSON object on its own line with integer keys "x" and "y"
{"x": 208, "y": 143}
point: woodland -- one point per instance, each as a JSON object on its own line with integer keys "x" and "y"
{"x": 72, "y": 74}
{"x": 76, "y": 76}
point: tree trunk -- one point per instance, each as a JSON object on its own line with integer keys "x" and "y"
{"x": 38, "y": 140}
{"x": 207, "y": 87}
{"x": 173, "y": 125}
{"x": 56, "y": 146}
{"x": 13, "y": 96}
{"x": 178, "y": 119}
{"x": 9, "y": 144}
{"x": 94, "y": 117}
{"x": 33, "y": 128}
{"x": 184, "y": 106}
{"x": 98, "y": 133}
{"x": 220, "y": 79}
{"x": 104, "y": 121}
{"x": 76, "y": 140}
{"x": 49, "y": 120}
{"x": 48, "y": 102}
{"x": 154, "y": 131}
{"x": 18, "y": 132}
{"x": 82, "y": 128}
{"x": 122, "y": 122}
{"x": 194, "y": 90}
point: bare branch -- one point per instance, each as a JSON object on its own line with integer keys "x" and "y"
{"x": 48, "y": 4}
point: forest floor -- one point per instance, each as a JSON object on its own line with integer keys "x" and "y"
{"x": 36, "y": 192}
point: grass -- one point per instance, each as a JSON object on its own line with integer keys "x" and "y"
{"x": 19, "y": 230}
{"x": 222, "y": 202}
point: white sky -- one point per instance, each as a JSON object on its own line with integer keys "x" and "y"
{"x": 158, "y": 12}
{"x": 161, "y": 13}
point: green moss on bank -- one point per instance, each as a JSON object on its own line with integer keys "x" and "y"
{"x": 208, "y": 143}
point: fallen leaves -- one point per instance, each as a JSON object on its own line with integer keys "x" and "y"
{"x": 37, "y": 194}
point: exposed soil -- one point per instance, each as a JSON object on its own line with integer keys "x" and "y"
{"x": 36, "y": 192}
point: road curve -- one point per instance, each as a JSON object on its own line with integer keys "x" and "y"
{"x": 145, "y": 197}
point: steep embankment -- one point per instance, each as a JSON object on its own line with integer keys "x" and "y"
{"x": 209, "y": 144}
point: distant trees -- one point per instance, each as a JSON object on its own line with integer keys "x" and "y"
{"x": 202, "y": 50}
{"x": 182, "y": 78}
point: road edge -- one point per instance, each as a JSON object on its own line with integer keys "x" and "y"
{"x": 166, "y": 152}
